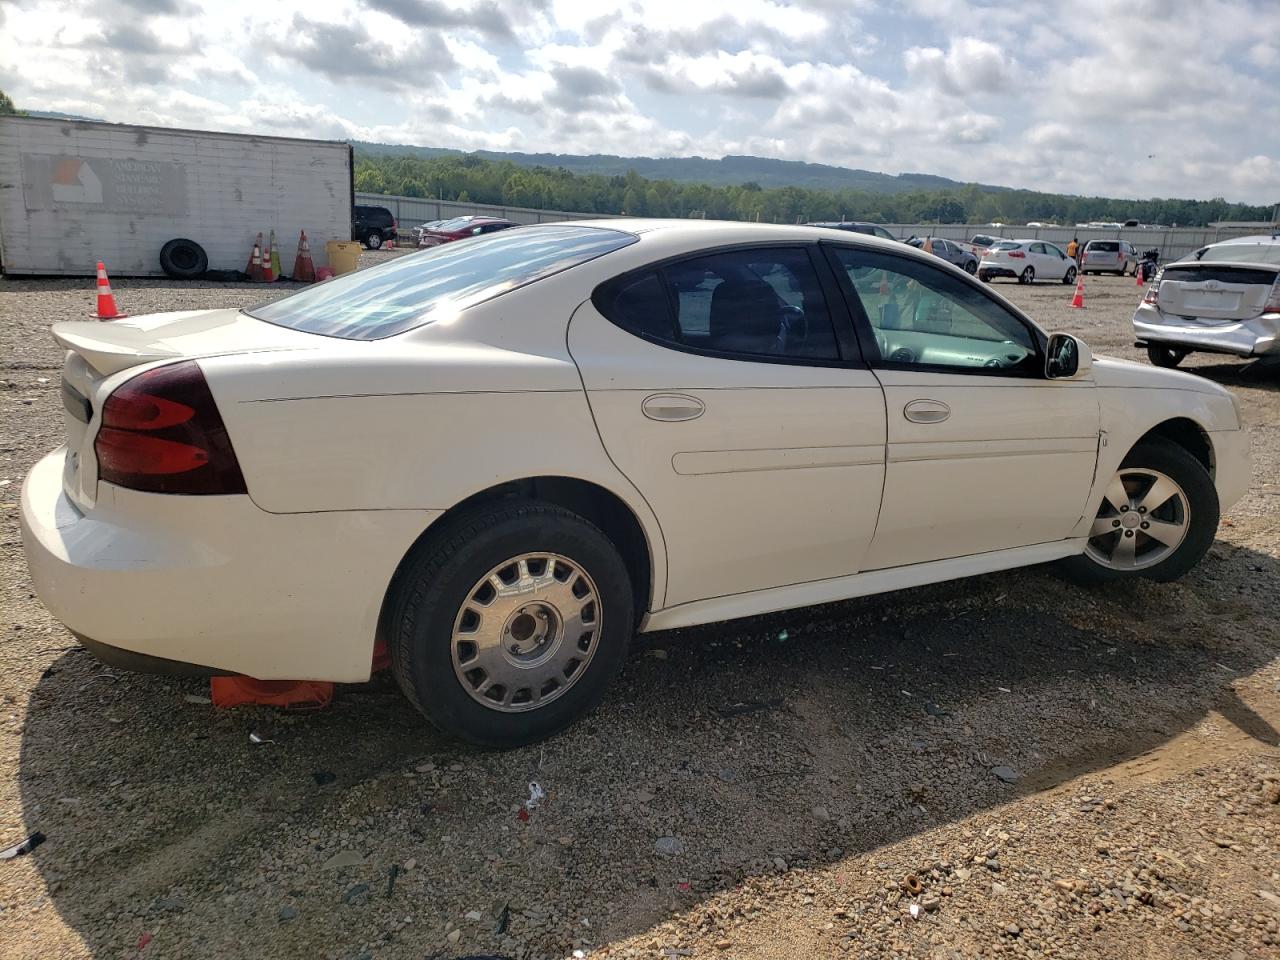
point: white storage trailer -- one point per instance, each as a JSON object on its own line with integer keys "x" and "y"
{"x": 75, "y": 192}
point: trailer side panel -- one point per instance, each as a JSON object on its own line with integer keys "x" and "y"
{"x": 73, "y": 193}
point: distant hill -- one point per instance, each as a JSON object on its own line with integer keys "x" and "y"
{"x": 55, "y": 115}
{"x": 730, "y": 170}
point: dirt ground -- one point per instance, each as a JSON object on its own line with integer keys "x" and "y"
{"x": 826, "y": 782}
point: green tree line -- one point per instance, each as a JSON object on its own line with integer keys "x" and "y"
{"x": 477, "y": 180}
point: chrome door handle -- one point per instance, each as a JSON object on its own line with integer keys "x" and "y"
{"x": 672, "y": 407}
{"x": 926, "y": 411}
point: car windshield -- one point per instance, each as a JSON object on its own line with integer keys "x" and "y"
{"x": 457, "y": 223}
{"x": 414, "y": 290}
{"x": 1007, "y": 245}
{"x": 1103, "y": 246}
{"x": 1242, "y": 253}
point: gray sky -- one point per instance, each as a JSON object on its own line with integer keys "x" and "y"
{"x": 1077, "y": 96}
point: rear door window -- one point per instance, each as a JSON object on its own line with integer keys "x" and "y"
{"x": 754, "y": 304}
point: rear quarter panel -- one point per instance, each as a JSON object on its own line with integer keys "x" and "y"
{"x": 422, "y": 421}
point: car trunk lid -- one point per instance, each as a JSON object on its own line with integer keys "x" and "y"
{"x": 1215, "y": 293}
{"x": 97, "y": 351}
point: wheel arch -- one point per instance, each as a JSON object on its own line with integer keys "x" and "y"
{"x": 591, "y": 501}
{"x": 1189, "y": 435}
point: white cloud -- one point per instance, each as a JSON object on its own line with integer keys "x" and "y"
{"x": 1088, "y": 100}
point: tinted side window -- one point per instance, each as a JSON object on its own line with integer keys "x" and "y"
{"x": 760, "y": 303}
{"x": 923, "y": 317}
{"x": 641, "y": 306}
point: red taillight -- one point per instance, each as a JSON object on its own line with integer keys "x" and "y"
{"x": 1273, "y": 301}
{"x": 1153, "y": 288}
{"x": 394, "y": 224}
{"x": 162, "y": 433}
{"x": 1017, "y": 255}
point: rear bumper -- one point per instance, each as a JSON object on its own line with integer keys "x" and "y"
{"x": 1247, "y": 338}
{"x": 213, "y": 584}
{"x": 991, "y": 270}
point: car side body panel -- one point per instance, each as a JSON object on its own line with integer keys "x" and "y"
{"x": 1134, "y": 399}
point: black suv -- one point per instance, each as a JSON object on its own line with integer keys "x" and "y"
{"x": 372, "y": 226}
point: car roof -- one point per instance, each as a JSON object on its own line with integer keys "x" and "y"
{"x": 1266, "y": 238}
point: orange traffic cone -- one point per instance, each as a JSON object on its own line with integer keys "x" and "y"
{"x": 303, "y": 269}
{"x": 106, "y": 299}
{"x": 268, "y": 275}
{"x": 257, "y": 250}
{"x": 255, "y": 265}
{"x": 1137, "y": 275}
{"x": 1078, "y": 299}
{"x": 389, "y": 245}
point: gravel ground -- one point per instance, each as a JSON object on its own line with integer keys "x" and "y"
{"x": 1006, "y": 766}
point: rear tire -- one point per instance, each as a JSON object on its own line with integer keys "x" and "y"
{"x": 1027, "y": 276}
{"x": 454, "y": 680}
{"x": 1163, "y": 355}
{"x": 1070, "y": 276}
{"x": 970, "y": 268}
{"x": 1193, "y": 508}
{"x": 374, "y": 241}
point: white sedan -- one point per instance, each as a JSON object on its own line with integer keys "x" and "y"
{"x": 1027, "y": 261}
{"x": 507, "y": 455}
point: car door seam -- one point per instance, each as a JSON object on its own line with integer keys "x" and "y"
{"x": 586, "y": 398}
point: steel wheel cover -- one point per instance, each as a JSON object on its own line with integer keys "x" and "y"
{"x": 1143, "y": 518}
{"x": 526, "y": 632}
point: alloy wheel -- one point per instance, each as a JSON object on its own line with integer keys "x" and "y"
{"x": 1143, "y": 518}
{"x": 526, "y": 632}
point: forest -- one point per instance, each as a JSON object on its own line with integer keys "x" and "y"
{"x": 471, "y": 178}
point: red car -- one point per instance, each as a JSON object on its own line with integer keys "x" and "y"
{"x": 460, "y": 228}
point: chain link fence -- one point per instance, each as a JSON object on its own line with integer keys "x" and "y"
{"x": 1172, "y": 242}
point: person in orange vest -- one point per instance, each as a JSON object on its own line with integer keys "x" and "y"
{"x": 1073, "y": 248}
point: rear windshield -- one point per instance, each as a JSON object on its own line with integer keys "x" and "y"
{"x": 413, "y": 290}
{"x": 1242, "y": 253}
{"x": 1007, "y": 245}
{"x": 1104, "y": 246}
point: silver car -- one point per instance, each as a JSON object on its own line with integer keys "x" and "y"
{"x": 1109, "y": 256}
{"x": 1223, "y": 298}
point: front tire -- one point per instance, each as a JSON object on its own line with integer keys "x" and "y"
{"x": 1156, "y": 520}
{"x": 1028, "y": 275}
{"x": 1163, "y": 355}
{"x": 509, "y": 622}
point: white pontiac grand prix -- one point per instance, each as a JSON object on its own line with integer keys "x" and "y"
{"x": 506, "y": 455}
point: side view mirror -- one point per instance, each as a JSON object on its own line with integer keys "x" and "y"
{"x": 1066, "y": 357}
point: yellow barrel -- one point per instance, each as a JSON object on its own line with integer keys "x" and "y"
{"x": 343, "y": 255}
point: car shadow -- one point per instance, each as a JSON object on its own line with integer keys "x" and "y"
{"x": 783, "y": 742}
{"x": 1262, "y": 373}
